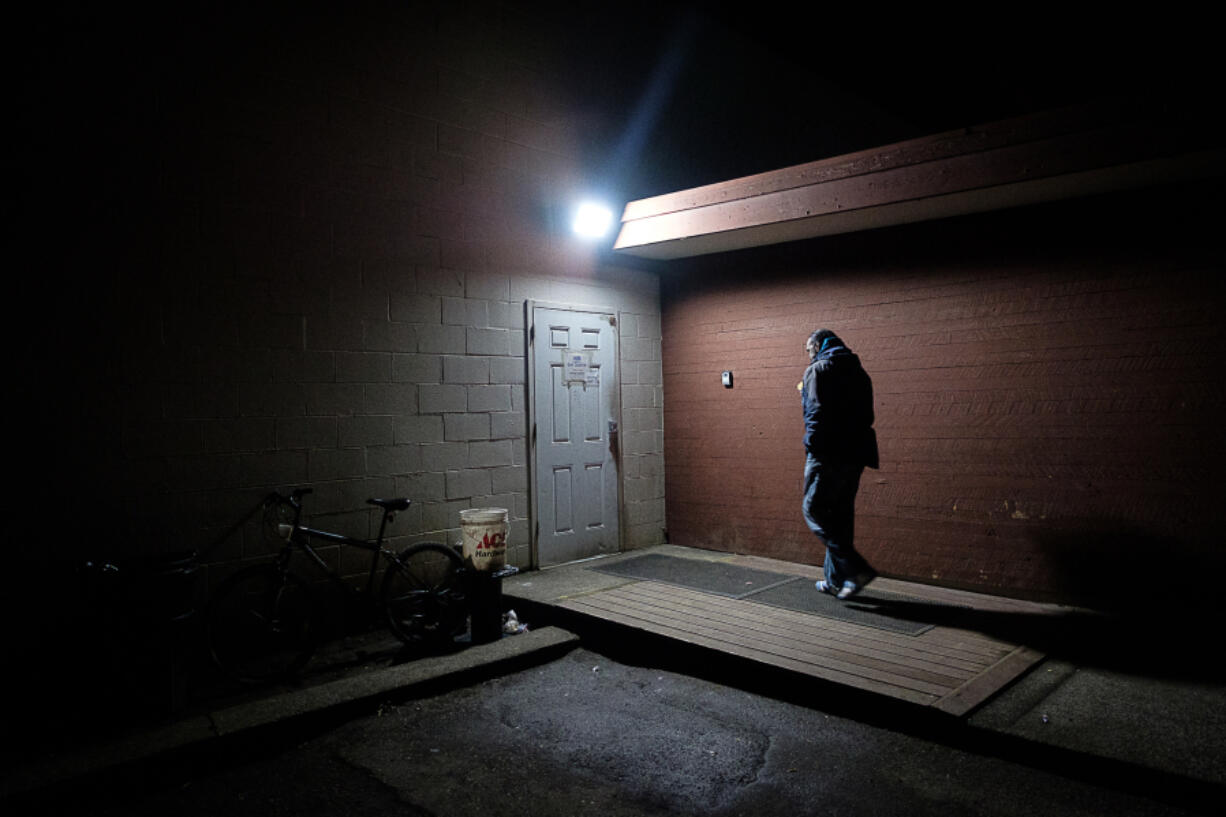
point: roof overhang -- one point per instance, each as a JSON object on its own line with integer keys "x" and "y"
{"x": 1036, "y": 159}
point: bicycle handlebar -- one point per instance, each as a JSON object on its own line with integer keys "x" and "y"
{"x": 389, "y": 506}
{"x": 295, "y": 495}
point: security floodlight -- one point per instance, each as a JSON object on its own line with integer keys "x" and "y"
{"x": 592, "y": 220}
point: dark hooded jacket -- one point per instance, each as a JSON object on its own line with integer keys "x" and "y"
{"x": 837, "y": 395}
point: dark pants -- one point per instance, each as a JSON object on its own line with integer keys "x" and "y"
{"x": 830, "y": 511}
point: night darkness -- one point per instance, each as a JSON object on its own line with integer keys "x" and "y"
{"x": 739, "y": 89}
{"x": 110, "y": 106}
{"x": 678, "y": 94}
{"x": 672, "y": 96}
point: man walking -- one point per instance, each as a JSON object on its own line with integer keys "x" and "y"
{"x": 837, "y": 396}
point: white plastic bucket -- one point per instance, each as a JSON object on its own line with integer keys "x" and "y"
{"x": 483, "y": 533}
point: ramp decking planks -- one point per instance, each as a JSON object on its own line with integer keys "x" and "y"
{"x": 949, "y": 669}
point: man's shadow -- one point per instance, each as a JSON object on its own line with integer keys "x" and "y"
{"x": 1115, "y": 613}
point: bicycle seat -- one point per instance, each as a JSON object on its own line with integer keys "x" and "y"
{"x": 391, "y": 504}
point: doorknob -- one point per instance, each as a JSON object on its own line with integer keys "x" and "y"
{"x": 612, "y": 426}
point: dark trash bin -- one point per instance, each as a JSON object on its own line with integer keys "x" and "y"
{"x": 165, "y": 588}
{"x": 485, "y": 602}
{"x": 162, "y": 588}
{"x": 145, "y": 607}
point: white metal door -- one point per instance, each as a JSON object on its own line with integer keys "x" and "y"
{"x": 574, "y": 433}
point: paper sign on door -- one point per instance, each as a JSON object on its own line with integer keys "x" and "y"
{"x": 577, "y": 365}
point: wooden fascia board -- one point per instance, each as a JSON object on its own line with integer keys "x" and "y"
{"x": 1000, "y": 166}
{"x": 912, "y": 152}
{"x": 943, "y": 206}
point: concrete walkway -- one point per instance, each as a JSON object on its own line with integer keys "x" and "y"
{"x": 1125, "y": 715}
{"x": 1103, "y": 691}
{"x": 222, "y": 723}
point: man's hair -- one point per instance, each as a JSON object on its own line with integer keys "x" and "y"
{"x": 821, "y": 336}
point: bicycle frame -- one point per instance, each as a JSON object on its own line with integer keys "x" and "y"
{"x": 261, "y": 619}
{"x": 299, "y": 536}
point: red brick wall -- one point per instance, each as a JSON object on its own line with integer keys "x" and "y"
{"x": 1048, "y": 386}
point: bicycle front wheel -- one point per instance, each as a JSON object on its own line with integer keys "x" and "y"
{"x": 260, "y": 624}
{"x": 423, "y": 593}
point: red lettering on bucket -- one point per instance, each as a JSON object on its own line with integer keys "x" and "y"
{"x": 488, "y": 541}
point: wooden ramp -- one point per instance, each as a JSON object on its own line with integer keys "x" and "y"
{"x": 945, "y": 668}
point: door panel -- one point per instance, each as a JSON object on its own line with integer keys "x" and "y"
{"x": 563, "y": 507}
{"x": 574, "y": 409}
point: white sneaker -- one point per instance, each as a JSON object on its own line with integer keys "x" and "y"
{"x": 852, "y": 587}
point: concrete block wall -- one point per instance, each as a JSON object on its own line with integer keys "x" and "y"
{"x": 309, "y": 240}
{"x": 642, "y": 429}
{"x": 1048, "y": 386}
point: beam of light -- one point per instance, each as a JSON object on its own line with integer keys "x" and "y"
{"x": 659, "y": 91}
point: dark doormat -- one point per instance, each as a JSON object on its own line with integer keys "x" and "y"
{"x": 719, "y": 578}
{"x": 869, "y": 609}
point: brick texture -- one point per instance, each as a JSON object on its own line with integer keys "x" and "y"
{"x": 1048, "y": 387}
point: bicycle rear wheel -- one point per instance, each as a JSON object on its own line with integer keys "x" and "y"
{"x": 260, "y": 624}
{"x": 423, "y": 593}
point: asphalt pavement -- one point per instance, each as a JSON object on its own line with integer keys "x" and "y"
{"x": 1118, "y": 716}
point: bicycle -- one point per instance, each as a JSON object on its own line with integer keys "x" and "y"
{"x": 261, "y": 623}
